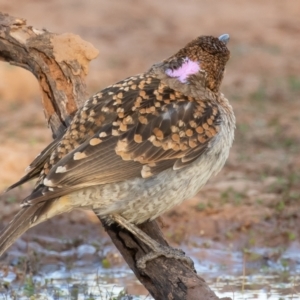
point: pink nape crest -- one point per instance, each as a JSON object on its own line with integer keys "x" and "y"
{"x": 187, "y": 68}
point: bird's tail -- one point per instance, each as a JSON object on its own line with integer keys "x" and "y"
{"x": 30, "y": 216}
{"x": 23, "y": 220}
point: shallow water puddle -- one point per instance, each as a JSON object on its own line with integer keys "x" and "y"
{"x": 257, "y": 274}
{"x": 81, "y": 285}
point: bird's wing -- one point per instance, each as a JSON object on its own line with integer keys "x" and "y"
{"x": 35, "y": 168}
{"x": 136, "y": 128}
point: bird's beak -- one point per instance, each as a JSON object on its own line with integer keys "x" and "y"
{"x": 224, "y": 38}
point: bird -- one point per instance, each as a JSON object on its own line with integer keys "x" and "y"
{"x": 138, "y": 147}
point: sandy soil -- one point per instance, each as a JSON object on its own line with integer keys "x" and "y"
{"x": 254, "y": 201}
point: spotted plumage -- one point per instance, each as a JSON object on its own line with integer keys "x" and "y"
{"x": 130, "y": 145}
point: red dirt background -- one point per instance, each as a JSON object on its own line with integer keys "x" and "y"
{"x": 255, "y": 200}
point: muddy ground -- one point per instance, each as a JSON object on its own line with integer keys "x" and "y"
{"x": 254, "y": 201}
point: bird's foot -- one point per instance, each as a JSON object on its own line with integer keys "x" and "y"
{"x": 166, "y": 252}
{"x": 157, "y": 249}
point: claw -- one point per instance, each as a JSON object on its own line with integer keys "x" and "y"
{"x": 166, "y": 252}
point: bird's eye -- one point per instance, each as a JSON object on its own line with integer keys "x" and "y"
{"x": 175, "y": 64}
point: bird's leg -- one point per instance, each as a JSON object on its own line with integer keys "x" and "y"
{"x": 157, "y": 249}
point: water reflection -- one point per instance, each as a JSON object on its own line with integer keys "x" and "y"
{"x": 256, "y": 274}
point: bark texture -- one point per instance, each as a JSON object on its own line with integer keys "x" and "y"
{"x": 60, "y": 64}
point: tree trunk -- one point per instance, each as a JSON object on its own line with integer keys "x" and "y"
{"x": 60, "y": 64}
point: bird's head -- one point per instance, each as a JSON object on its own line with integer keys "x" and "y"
{"x": 205, "y": 58}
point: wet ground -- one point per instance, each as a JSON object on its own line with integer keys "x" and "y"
{"x": 51, "y": 268}
{"x": 71, "y": 257}
{"x": 243, "y": 229}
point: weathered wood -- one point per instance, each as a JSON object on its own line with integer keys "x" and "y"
{"x": 60, "y": 64}
{"x": 164, "y": 278}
